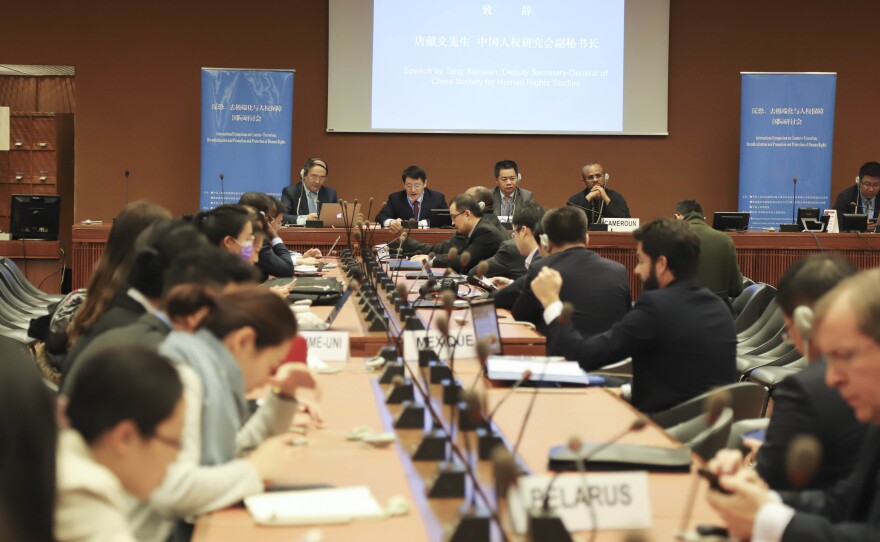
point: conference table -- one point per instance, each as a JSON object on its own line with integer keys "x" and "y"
{"x": 354, "y": 397}
{"x": 762, "y": 256}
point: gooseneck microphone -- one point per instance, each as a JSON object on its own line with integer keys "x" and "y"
{"x": 126, "y": 186}
{"x": 222, "y": 190}
{"x": 793, "y": 199}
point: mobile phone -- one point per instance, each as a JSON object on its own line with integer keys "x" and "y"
{"x": 714, "y": 485}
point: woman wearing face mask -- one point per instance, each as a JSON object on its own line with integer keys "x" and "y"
{"x": 229, "y": 227}
{"x": 125, "y": 417}
{"x": 241, "y": 342}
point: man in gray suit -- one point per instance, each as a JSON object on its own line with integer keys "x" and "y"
{"x": 508, "y": 196}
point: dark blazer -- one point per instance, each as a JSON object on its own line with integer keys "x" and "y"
{"x": 123, "y": 311}
{"x": 850, "y": 512}
{"x": 481, "y": 244}
{"x": 274, "y": 260}
{"x": 616, "y": 209}
{"x": 846, "y": 198}
{"x": 507, "y": 262}
{"x": 297, "y": 204}
{"x": 803, "y": 404}
{"x": 506, "y": 297}
{"x": 681, "y": 339}
{"x": 521, "y": 196}
{"x": 597, "y": 287}
{"x": 398, "y": 206}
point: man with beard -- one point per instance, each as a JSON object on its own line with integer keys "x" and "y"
{"x": 680, "y": 335}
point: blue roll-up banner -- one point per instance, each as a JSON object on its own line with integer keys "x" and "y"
{"x": 786, "y": 132}
{"x": 247, "y": 124}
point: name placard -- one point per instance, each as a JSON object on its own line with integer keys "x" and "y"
{"x": 328, "y": 345}
{"x": 465, "y": 344}
{"x": 621, "y": 224}
{"x": 619, "y": 500}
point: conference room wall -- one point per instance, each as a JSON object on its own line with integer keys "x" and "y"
{"x": 138, "y": 99}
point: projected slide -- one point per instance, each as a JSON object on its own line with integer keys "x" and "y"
{"x": 498, "y": 65}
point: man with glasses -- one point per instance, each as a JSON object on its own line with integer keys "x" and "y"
{"x": 596, "y": 199}
{"x": 415, "y": 201}
{"x": 303, "y": 200}
{"x": 862, "y": 197}
{"x": 508, "y": 196}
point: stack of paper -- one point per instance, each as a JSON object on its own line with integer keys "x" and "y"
{"x": 314, "y": 507}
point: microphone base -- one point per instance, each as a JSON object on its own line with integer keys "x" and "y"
{"x": 314, "y": 223}
{"x": 411, "y": 416}
{"x": 377, "y": 324}
{"x": 449, "y": 482}
{"x": 399, "y": 394}
{"x": 426, "y": 356}
{"x": 474, "y": 526}
{"x": 789, "y": 228}
{"x": 392, "y": 369}
{"x": 487, "y": 440}
{"x": 439, "y": 372}
{"x": 546, "y": 526}
{"x": 389, "y": 352}
{"x": 451, "y": 391}
{"x": 412, "y": 323}
{"x": 466, "y": 423}
{"x": 432, "y": 447}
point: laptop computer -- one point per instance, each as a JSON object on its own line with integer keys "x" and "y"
{"x": 325, "y": 325}
{"x": 440, "y": 218}
{"x": 332, "y": 216}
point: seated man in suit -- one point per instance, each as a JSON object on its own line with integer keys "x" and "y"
{"x": 862, "y": 198}
{"x": 846, "y": 334}
{"x": 597, "y": 287}
{"x": 719, "y": 269}
{"x": 474, "y": 235}
{"x": 526, "y": 222}
{"x": 680, "y": 335}
{"x": 415, "y": 201}
{"x": 303, "y": 200}
{"x": 508, "y": 196}
{"x": 596, "y": 198}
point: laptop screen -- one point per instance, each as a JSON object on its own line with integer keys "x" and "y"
{"x": 338, "y": 307}
{"x": 486, "y": 324}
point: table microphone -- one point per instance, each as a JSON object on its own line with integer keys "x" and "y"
{"x": 793, "y": 199}
{"x": 526, "y": 376}
{"x": 126, "y": 186}
{"x": 222, "y": 190}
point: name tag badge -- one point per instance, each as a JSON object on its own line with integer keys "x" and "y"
{"x": 620, "y": 500}
{"x": 328, "y": 345}
{"x": 621, "y": 224}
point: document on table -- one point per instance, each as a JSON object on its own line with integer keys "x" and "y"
{"x": 314, "y": 507}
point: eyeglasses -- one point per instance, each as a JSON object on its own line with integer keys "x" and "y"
{"x": 168, "y": 441}
{"x": 413, "y": 186}
{"x": 313, "y": 177}
{"x": 594, "y": 176}
{"x": 456, "y": 215}
{"x": 871, "y": 186}
{"x": 507, "y": 179}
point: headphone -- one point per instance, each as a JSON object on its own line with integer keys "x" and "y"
{"x": 802, "y": 318}
{"x": 481, "y": 205}
{"x": 545, "y": 242}
{"x": 311, "y": 162}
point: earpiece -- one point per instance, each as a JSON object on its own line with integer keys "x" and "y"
{"x": 518, "y": 177}
{"x": 803, "y": 321}
{"x": 481, "y": 205}
{"x": 607, "y": 177}
{"x": 858, "y": 180}
{"x": 545, "y": 242}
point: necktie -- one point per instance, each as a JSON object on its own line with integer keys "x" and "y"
{"x": 313, "y": 206}
{"x": 415, "y": 204}
{"x": 508, "y": 203}
{"x": 869, "y": 209}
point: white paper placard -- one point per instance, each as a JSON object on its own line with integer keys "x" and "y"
{"x": 833, "y": 227}
{"x": 328, "y": 345}
{"x": 465, "y": 344}
{"x": 620, "y": 500}
{"x": 621, "y": 224}
{"x": 4, "y": 128}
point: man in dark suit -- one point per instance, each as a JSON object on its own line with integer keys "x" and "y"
{"x": 862, "y": 197}
{"x": 680, "y": 335}
{"x": 803, "y": 403}
{"x": 508, "y": 196}
{"x": 415, "y": 201}
{"x": 303, "y": 200}
{"x": 526, "y": 224}
{"x": 597, "y": 288}
{"x": 474, "y": 235}
{"x": 847, "y": 336}
{"x": 596, "y": 198}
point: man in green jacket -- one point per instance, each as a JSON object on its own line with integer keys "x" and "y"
{"x": 718, "y": 270}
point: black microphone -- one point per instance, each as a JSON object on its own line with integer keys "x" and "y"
{"x": 582, "y": 208}
{"x": 526, "y": 376}
{"x": 793, "y": 199}
{"x": 126, "y": 187}
{"x": 410, "y": 224}
{"x": 222, "y": 191}
{"x": 376, "y": 313}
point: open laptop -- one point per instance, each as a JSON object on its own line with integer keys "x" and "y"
{"x": 332, "y": 216}
{"x": 325, "y": 325}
